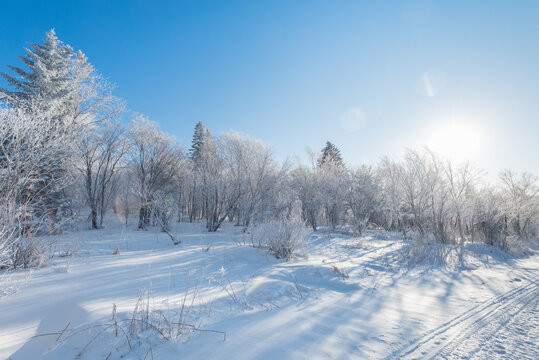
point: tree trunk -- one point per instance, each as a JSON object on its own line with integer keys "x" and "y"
{"x": 94, "y": 217}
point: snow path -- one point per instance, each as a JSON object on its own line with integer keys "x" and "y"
{"x": 507, "y": 325}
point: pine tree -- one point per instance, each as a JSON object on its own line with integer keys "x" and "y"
{"x": 52, "y": 85}
{"x": 48, "y": 79}
{"x": 199, "y": 137}
{"x": 330, "y": 154}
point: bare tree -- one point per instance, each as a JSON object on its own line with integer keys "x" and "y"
{"x": 220, "y": 184}
{"x": 521, "y": 195}
{"x": 100, "y": 155}
{"x": 389, "y": 175}
{"x": 332, "y": 181}
{"x": 306, "y": 183}
{"x": 363, "y": 197}
{"x": 154, "y": 159}
{"x": 461, "y": 183}
{"x": 491, "y": 224}
{"x": 253, "y": 166}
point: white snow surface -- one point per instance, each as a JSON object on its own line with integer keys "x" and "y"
{"x": 259, "y": 307}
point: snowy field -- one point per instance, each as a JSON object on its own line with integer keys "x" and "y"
{"x": 218, "y": 297}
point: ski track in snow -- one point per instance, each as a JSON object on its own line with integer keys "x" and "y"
{"x": 505, "y": 327}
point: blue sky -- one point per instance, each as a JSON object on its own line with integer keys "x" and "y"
{"x": 374, "y": 77}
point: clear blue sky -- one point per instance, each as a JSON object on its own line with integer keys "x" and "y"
{"x": 374, "y": 77}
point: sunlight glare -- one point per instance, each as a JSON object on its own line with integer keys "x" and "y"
{"x": 457, "y": 141}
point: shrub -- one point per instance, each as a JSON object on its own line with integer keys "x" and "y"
{"x": 281, "y": 237}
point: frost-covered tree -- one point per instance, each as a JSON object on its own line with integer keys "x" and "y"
{"x": 220, "y": 185}
{"x": 330, "y": 154}
{"x": 30, "y": 138}
{"x": 332, "y": 173}
{"x": 461, "y": 184}
{"x": 362, "y": 198}
{"x": 100, "y": 153}
{"x": 389, "y": 174}
{"x": 332, "y": 180}
{"x": 199, "y": 136}
{"x": 153, "y": 159}
{"x": 521, "y": 195}
{"x": 491, "y": 224}
{"x": 47, "y": 80}
{"x": 252, "y": 165}
{"x": 192, "y": 197}
{"x": 126, "y": 197}
{"x": 63, "y": 84}
{"x": 44, "y": 87}
{"x": 202, "y": 140}
{"x": 306, "y": 185}
{"x": 415, "y": 188}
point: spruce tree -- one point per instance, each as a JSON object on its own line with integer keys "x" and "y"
{"x": 199, "y": 137}
{"x": 49, "y": 86}
{"x": 330, "y": 154}
{"x": 48, "y": 79}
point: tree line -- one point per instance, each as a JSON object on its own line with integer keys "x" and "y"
{"x": 64, "y": 151}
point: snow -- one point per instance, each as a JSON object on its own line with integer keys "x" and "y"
{"x": 341, "y": 297}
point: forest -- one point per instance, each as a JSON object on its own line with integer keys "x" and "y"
{"x": 68, "y": 150}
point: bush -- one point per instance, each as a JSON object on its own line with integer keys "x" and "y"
{"x": 18, "y": 247}
{"x": 421, "y": 250}
{"x": 281, "y": 237}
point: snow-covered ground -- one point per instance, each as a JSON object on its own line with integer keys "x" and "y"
{"x": 342, "y": 297}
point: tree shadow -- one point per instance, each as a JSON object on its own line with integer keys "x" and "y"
{"x": 60, "y": 316}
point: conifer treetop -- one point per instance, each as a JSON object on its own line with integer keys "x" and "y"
{"x": 330, "y": 154}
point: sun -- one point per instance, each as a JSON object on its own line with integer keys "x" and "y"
{"x": 457, "y": 141}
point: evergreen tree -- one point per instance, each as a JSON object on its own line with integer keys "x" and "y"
{"x": 58, "y": 83}
{"x": 330, "y": 154}
{"x": 199, "y": 138}
{"x": 47, "y": 81}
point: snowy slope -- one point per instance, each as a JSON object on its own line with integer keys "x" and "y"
{"x": 341, "y": 298}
